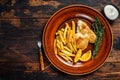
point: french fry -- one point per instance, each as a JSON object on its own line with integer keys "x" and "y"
{"x": 73, "y": 40}
{"x": 70, "y": 36}
{"x": 69, "y": 58}
{"x": 65, "y": 32}
{"x": 70, "y": 46}
{"x": 74, "y": 47}
{"x": 61, "y": 37}
{"x": 61, "y": 53}
{"x": 65, "y": 58}
{"x": 59, "y": 43}
{"x": 60, "y": 34}
{"x": 62, "y": 30}
{"x": 57, "y": 33}
{"x": 67, "y": 25}
{"x": 68, "y": 53}
{"x": 55, "y": 47}
{"x": 58, "y": 46}
{"x": 66, "y": 48}
{"x": 58, "y": 40}
{"x": 73, "y": 27}
{"x": 61, "y": 46}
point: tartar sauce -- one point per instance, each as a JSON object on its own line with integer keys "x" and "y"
{"x": 111, "y": 12}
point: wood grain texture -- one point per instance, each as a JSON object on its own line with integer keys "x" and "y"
{"x": 23, "y": 21}
{"x": 31, "y": 71}
{"x": 20, "y": 41}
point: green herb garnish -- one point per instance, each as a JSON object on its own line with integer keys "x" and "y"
{"x": 99, "y": 31}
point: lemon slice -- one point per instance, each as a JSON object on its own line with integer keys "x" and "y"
{"x": 86, "y": 56}
{"x": 78, "y": 55}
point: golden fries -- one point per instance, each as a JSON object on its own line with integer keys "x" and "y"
{"x": 70, "y": 46}
{"x": 66, "y": 57}
{"x": 65, "y": 43}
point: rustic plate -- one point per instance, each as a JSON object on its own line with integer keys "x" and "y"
{"x": 74, "y": 12}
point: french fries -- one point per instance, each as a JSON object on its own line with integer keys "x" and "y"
{"x": 67, "y": 53}
{"x": 63, "y": 56}
{"x": 65, "y": 43}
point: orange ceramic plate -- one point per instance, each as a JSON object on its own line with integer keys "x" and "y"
{"x": 72, "y": 13}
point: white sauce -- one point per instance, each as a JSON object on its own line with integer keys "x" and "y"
{"x": 111, "y": 12}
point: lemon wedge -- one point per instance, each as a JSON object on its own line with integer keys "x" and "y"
{"x": 86, "y": 56}
{"x": 78, "y": 55}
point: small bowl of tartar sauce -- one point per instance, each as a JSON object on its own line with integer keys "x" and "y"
{"x": 111, "y": 12}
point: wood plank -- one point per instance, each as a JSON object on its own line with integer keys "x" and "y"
{"x": 31, "y": 8}
{"x": 92, "y": 3}
{"x": 103, "y": 2}
{"x": 114, "y": 56}
{"x": 108, "y": 71}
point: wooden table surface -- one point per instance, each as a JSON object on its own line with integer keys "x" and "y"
{"x": 23, "y": 21}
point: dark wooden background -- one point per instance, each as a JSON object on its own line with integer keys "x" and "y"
{"x": 22, "y": 22}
